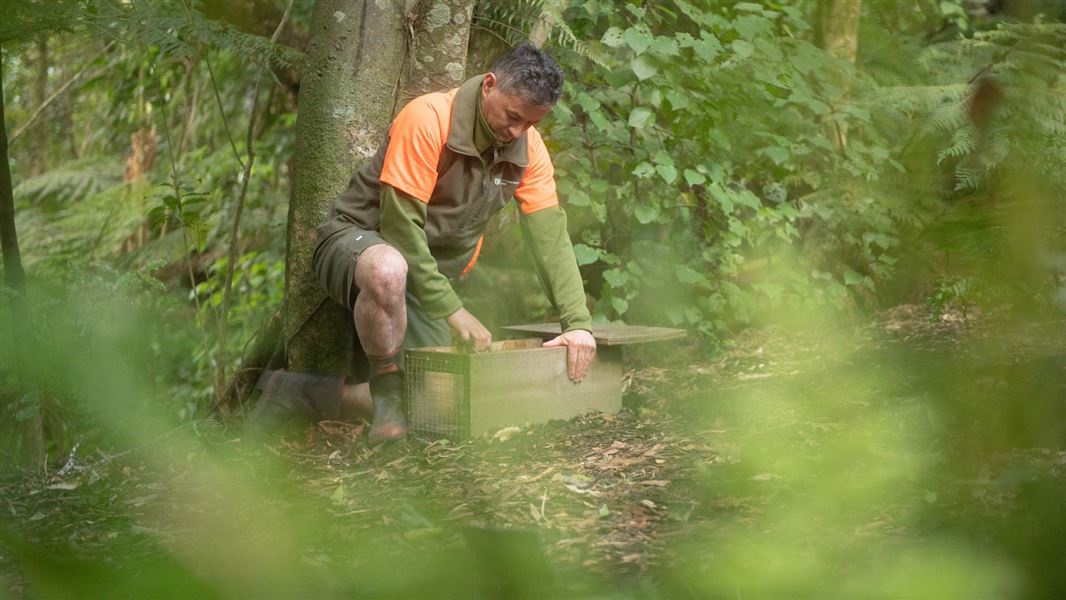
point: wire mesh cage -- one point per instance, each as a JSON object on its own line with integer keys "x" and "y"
{"x": 438, "y": 393}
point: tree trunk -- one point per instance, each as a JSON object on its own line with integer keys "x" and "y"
{"x": 839, "y": 24}
{"x": 38, "y": 149}
{"x": 437, "y": 59}
{"x": 347, "y": 95}
{"x": 65, "y": 109}
{"x": 31, "y": 430}
{"x": 840, "y": 28}
{"x": 363, "y": 59}
{"x": 13, "y": 273}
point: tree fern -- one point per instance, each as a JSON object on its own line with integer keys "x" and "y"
{"x": 177, "y": 28}
{"x": 180, "y": 30}
{"x": 1026, "y": 63}
{"x": 513, "y": 21}
{"x": 69, "y": 183}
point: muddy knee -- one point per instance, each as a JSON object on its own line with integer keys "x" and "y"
{"x": 382, "y": 274}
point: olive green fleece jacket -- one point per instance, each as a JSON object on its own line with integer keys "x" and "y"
{"x": 403, "y": 220}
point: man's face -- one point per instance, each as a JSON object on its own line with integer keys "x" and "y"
{"x": 508, "y": 114}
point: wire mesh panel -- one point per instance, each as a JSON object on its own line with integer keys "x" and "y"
{"x": 438, "y": 394}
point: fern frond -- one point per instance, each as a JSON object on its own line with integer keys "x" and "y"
{"x": 512, "y": 21}
{"x": 963, "y": 143}
{"x": 180, "y": 31}
{"x": 69, "y": 183}
{"x": 26, "y": 20}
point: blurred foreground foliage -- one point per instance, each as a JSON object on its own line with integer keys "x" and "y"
{"x": 720, "y": 170}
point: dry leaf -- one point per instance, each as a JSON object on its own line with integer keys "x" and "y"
{"x": 506, "y": 433}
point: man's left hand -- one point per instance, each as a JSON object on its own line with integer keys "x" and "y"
{"x": 580, "y": 350}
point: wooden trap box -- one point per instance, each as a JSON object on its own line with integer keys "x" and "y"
{"x": 456, "y": 394}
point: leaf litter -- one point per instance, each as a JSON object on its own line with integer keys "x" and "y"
{"x": 606, "y": 493}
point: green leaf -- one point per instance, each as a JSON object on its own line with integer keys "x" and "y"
{"x": 603, "y": 511}
{"x": 613, "y": 38}
{"x": 852, "y": 277}
{"x": 747, "y": 7}
{"x": 751, "y": 26}
{"x": 677, "y": 99}
{"x": 707, "y": 47}
{"x": 686, "y": 274}
{"x": 600, "y": 121}
{"x": 616, "y": 278}
{"x": 746, "y": 198}
{"x": 742, "y": 49}
{"x": 724, "y": 196}
{"x": 585, "y": 255}
{"x": 577, "y": 198}
{"x": 952, "y": 8}
{"x": 619, "y": 305}
{"x": 777, "y": 154}
{"x": 643, "y": 67}
{"x": 803, "y": 98}
{"x": 587, "y": 103}
{"x": 694, "y": 177}
{"x": 644, "y": 170}
{"x": 638, "y": 38}
{"x": 646, "y": 213}
{"x": 656, "y": 98}
{"x": 665, "y": 46}
{"x": 667, "y": 172}
{"x": 640, "y": 117}
{"x": 788, "y": 211}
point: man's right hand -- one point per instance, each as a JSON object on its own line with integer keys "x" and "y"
{"x": 468, "y": 329}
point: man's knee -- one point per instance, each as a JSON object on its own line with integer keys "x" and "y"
{"x": 381, "y": 272}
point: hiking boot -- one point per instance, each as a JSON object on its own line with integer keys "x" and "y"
{"x": 290, "y": 397}
{"x": 390, "y": 423}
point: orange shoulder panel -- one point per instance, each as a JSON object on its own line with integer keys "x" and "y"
{"x": 537, "y": 189}
{"x": 416, "y": 138}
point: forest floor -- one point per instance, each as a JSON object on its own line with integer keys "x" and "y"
{"x": 813, "y": 460}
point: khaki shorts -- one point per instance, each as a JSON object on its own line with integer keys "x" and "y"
{"x": 336, "y": 256}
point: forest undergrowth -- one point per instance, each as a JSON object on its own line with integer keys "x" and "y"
{"x": 833, "y": 462}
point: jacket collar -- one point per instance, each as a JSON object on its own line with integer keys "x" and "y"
{"x": 464, "y": 119}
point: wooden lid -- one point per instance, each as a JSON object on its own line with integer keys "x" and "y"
{"x": 609, "y": 334}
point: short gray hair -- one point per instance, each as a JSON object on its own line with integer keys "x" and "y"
{"x": 530, "y": 73}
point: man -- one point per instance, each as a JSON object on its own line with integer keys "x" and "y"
{"x": 411, "y": 221}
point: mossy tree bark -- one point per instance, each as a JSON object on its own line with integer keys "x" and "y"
{"x": 363, "y": 58}
{"x": 437, "y": 57}
{"x": 354, "y": 58}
